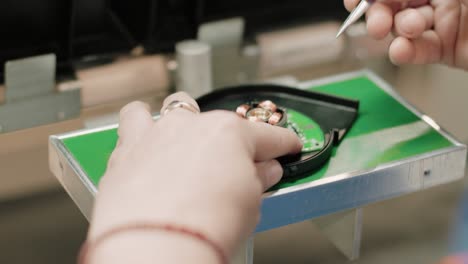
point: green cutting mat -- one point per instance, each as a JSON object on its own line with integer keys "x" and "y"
{"x": 385, "y": 131}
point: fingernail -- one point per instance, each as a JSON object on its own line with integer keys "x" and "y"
{"x": 274, "y": 173}
{"x": 299, "y": 147}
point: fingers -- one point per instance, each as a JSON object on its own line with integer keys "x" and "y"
{"x": 181, "y": 97}
{"x": 427, "y": 11}
{"x": 350, "y": 4}
{"x": 135, "y": 119}
{"x": 448, "y": 16}
{"x": 424, "y": 50}
{"x": 379, "y": 20}
{"x": 271, "y": 142}
{"x": 269, "y": 172}
{"x": 402, "y": 51}
{"x": 411, "y": 23}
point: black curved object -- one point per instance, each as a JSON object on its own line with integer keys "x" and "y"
{"x": 335, "y": 115}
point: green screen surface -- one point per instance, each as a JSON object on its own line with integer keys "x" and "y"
{"x": 385, "y": 131}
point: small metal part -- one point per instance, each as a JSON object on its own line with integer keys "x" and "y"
{"x": 266, "y": 112}
{"x": 275, "y": 119}
{"x": 242, "y": 110}
{"x": 255, "y": 119}
{"x": 269, "y": 105}
{"x": 260, "y": 113}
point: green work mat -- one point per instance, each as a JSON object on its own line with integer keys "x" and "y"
{"x": 385, "y": 131}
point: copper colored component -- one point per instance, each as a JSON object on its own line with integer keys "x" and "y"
{"x": 275, "y": 119}
{"x": 269, "y": 105}
{"x": 242, "y": 110}
{"x": 261, "y": 113}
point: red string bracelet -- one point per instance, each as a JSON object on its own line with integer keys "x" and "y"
{"x": 89, "y": 245}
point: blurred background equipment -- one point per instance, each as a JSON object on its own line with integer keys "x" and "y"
{"x": 112, "y": 52}
{"x": 194, "y": 71}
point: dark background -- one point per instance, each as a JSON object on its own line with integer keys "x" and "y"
{"x": 78, "y": 29}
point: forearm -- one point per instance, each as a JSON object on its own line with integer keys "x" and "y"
{"x": 152, "y": 247}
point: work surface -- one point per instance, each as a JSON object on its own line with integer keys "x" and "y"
{"x": 390, "y": 151}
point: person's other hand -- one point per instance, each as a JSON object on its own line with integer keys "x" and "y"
{"x": 426, "y": 31}
{"x": 204, "y": 171}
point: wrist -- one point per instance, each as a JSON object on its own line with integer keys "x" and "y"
{"x": 222, "y": 222}
{"x": 151, "y": 246}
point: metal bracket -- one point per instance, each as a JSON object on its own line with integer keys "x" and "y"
{"x": 30, "y": 96}
{"x": 232, "y": 63}
{"x": 344, "y": 230}
{"x": 246, "y": 253}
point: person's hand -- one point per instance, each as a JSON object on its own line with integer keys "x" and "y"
{"x": 426, "y": 31}
{"x": 203, "y": 171}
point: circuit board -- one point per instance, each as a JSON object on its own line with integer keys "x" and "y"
{"x": 308, "y": 130}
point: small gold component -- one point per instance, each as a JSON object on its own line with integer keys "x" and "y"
{"x": 260, "y": 113}
{"x": 255, "y": 119}
{"x": 266, "y": 112}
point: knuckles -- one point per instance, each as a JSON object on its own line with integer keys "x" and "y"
{"x": 218, "y": 127}
{"x": 225, "y": 122}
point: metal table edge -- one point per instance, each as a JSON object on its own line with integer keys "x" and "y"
{"x": 339, "y": 193}
{"x": 71, "y": 176}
